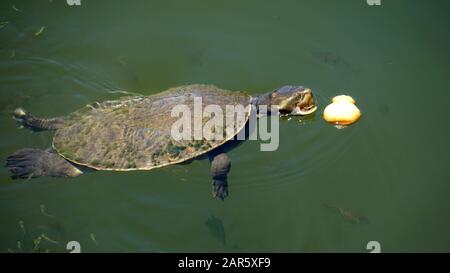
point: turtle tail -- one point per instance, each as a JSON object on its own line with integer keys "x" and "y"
{"x": 35, "y": 123}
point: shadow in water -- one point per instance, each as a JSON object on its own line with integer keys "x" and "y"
{"x": 347, "y": 215}
{"x": 217, "y": 229}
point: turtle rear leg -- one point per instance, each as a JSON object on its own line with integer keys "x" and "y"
{"x": 32, "y": 163}
{"x": 35, "y": 123}
{"x": 220, "y": 166}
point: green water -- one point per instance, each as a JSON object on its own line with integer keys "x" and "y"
{"x": 391, "y": 167}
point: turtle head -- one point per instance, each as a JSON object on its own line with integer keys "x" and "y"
{"x": 293, "y": 100}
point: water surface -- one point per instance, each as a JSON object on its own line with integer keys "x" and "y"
{"x": 391, "y": 167}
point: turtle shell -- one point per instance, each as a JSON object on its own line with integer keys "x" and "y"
{"x": 134, "y": 133}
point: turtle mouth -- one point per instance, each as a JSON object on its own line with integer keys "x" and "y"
{"x": 304, "y": 110}
{"x": 306, "y": 105}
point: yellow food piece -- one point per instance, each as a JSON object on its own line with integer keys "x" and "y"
{"x": 341, "y": 112}
{"x": 343, "y": 98}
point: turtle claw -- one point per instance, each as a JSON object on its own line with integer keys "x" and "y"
{"x": 220, "y": 189}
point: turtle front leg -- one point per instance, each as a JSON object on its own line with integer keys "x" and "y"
{"x": 35, "y": 123}
{"x": 220, "y": 166}
{"x": 32, "y": 163}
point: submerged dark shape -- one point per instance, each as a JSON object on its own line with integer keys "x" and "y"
{"x": 134, "y": 133}
{"x": 333, "y": 60}
{"x": 348, "y": 215}
{"x": 217, "y": 229}
{"x": 330, "y": 58}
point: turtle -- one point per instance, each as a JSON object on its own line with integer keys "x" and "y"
{"x": 136, "y": 133}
